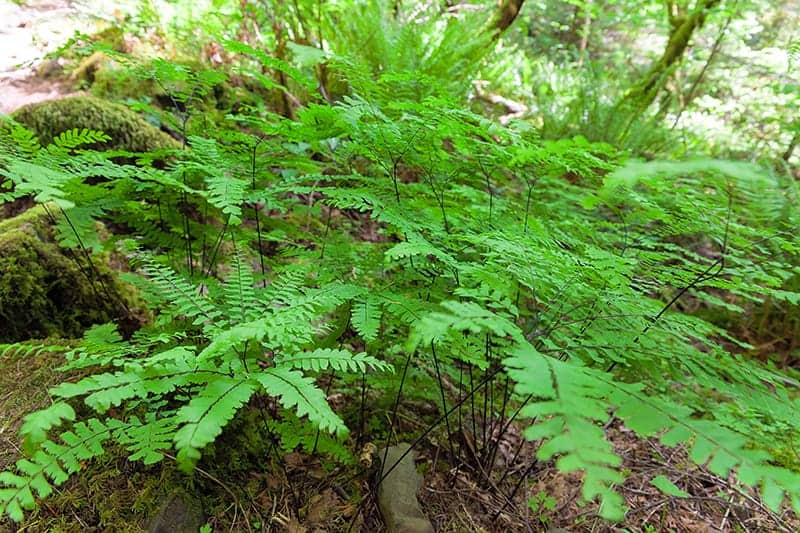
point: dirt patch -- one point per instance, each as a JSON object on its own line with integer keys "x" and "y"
{"x": 549, "y": 499}
{"x": 28, "y": 31}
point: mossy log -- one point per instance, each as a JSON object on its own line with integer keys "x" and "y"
{"x": 128, "y": 131}
{"x": 49, "y": 291}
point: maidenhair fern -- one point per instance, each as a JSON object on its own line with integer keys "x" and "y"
{"x": 379, "y": 231}
{"x": 224, "y": 367}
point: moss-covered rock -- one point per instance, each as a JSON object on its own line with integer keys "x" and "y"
{"x": 128, "y": 131}
{"x": 46, "y": 290}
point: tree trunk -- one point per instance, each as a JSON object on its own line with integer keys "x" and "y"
{"x": 507, "y": 13}
{"x": 683, "y": 27}
{"x": 792, "y": 145}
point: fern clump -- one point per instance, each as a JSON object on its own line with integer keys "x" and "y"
{"x": 399, "y": 230}
{"x": 207, "y": 382}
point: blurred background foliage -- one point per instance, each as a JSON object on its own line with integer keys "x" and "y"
{"x": 579, "y": 67}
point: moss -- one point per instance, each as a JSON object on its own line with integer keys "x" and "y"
{"x": 128, "y": 131}
{"x": 119, "y": 83}
{"x": 24, "y": 380}
{"x": 46, "y": 290}
{"x": 110, "y": 493}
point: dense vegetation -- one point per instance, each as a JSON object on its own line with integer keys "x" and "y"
{"x": 500, "y": 212}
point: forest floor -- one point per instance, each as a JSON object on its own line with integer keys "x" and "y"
{"x": 300, "y": 493}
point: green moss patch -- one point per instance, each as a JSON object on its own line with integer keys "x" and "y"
{"x": 48, "y": 291}
{"x": 128, "y": 131}
{"x": 24, "y": 382}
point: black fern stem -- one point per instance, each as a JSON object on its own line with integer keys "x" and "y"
{"x": 325, "y": 236}
{"x": 438, "y": 421}
{"x": 327, "y": 393}
{"x": 521, "y": 444}
{"x": 95, "y": 273}
{"x": 256, "y": 208}
{"x": 419, "y": 439}
{"x": 163, "y": 227}
{"x": 487, "y": 393}
{"x": 528, "y": 205}
{"x": 396, "y": 406}
{"x": 489, "y": 191}
{"x": 184, "y": 118}
{"x": 361, "y": 409}
{"x": 185, "y": 212}
{"x": 444, "y": 401}
{"x": 471, "y": 397}
{"x": 520, "y": 481}
{"x": 460, "y": 392}
{"x": 216, "y": 248}
{"x": 273, "y": 446}
{"x": 502, "y": 430}
{"x": 242, "y": 311}
{"x": 203, "y": 248}
{"x": 706, "y": 275}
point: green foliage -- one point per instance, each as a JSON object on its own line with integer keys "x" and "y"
{"x": 404, "y": 227}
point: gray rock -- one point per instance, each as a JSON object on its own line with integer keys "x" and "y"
{"x": 397, "y": 494}
{"x": 179, "y": 514}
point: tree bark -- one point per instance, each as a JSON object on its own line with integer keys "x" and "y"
{"x": 792, "y": 145}
{"x": 506, "y": 15}
{"x": 683, "y": 27}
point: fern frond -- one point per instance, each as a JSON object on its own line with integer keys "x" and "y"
{"x": 50, "y": 465}
{"x": 341, "y": 360}
{"x": 272, "y": 63}
{"x": 417, "y": 246}
{"x": 239, "y": 291}
{"x": 569, "y": 410}
{"x": 459, "y": 317}
{"x": 164, "y": 373}
{"x": 180, "y": 296}
{"x": 74, "y": 138}
{"x": 147, "y": 441}
{"x": 572, "y": 403}
{"x": 225, "y": 190}
{"x": 294, "y": 433}
{"x": 100, "y": 346}
{"x": 231, "y": 338}
{"x": 37, "y": 424}
{"x": 294, "y": 390}
{"x": 202, "y": 419}
{"x": 27, "y": 349}
{"x": 366, "y": 317}
{"x": 21, "y": 141}
{"x": 44, "y": 183}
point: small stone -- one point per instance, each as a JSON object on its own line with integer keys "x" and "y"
{"x": 397, "y": 494}
{"x": 51, "y": 68}
{"x": 179, "y": 514}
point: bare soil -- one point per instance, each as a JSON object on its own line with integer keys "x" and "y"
{"x": 28, "y": 32}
